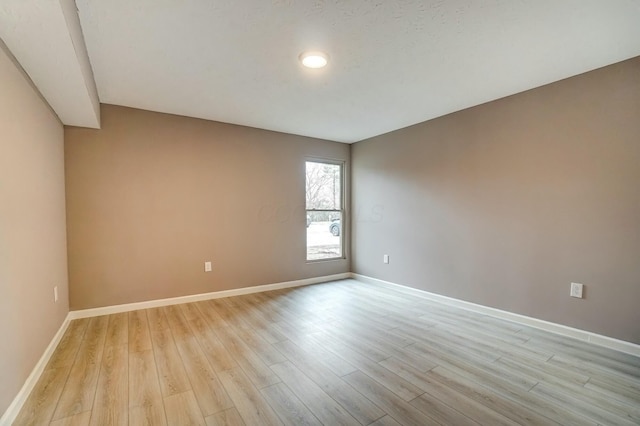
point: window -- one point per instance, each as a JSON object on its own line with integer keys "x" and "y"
{"x": 325, "y": 224}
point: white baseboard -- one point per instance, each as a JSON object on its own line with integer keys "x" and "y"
{"x": 107, "y": 310}
{"x": 9, "y": 416}
{"x": 587, "y": 336}
{"x": 16, "y": 405}
{"x": 14, "y": 408}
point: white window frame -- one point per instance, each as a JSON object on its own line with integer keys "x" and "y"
{"x": 340, "y": 212}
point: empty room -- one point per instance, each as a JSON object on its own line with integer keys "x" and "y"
{"x": 322, "y": 212}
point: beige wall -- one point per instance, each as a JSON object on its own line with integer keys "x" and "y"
{"x": 507, "y": 203}
{"x": 152, "y": 196}
{"x": 33, "y": 255}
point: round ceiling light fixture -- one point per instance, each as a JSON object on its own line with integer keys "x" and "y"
{"x": 314, "y": 59}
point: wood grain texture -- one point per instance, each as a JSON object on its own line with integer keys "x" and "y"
{"x": 229, "y": 417}
{"x": 250, "y": 404}
{"x": 66, "y": 351}
{"x": 111, "y": 404}
{"x": 40, "y": 406}
{"x": 144, "y": 385}
{"x": 218, "y": 356}
{"x": 81, "y": 419}
{"x": 171, "y": 371}
{"x": 389, "y": 402}
{"x": 139, "y": 333}
{"x": 335, "y": 353}
{"x": 157, "y": 319}
{"x": 208, "y": 390}
{"x": 80, "y": 388}
{"x": 118, "y": 329}
{"x": 354, "y": 402}
{"x": 289, "y": 408}
{"x": 182, "y": 409}
{"x": 150, "y": 414}
{"x": 325, "y": 408}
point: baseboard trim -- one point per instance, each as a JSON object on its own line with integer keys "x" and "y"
{"x": 587, "y": 336}
{"x": 14, "y": 408}
{"x": 16, "y": 405}
{"x": 107, "y": 310}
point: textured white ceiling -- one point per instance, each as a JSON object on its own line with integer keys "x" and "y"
{"x": 392, "y": 63}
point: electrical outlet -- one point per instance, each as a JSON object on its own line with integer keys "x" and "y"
{"x": 385, "y": 258}
{"x": 55, "y": 294}
{"x": 207, "y": 266}
{"x": 576, "y": 290}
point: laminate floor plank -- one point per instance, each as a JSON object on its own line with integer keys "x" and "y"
{"x": 80, "y": 388}
{"x": 289, "y": 331}
{"x": 365, "y": 328}
{"x": 228, "y": 315}
{"x": 111, "y": 406}
{"x": 182, "y": 409}
{"x": 208, "y": 390}
{"x": 335, "y": 353}
{"x": 386, "y": 378}
{"x": 81, "y": 419}
{"x": 388, "y": 401}
{"x": 210, "y": 315}
{"x": 289, "y": 408}
{"x": 505, "y": 406}
{"x": 436, "y": 390}
{"x": 569, "y": 344}
{"x": 498, "y": 376}
{"x": 171, "y": 372}
{"x": 581, "y": 406}
{"x": 455, "y": 322}
{"x": 190, "y": 311}
{"x": 385, "y": 421}
{"x": 218, "y": 356}
{"x": 599, "y": 363}
{"x": 229, "y": 417}
{"x": 441, "y": 412}
{"x": 543, "y": 370}
{"x": 487, "y": 343}
{"x": 448, "y": 343}
{"x": 251, "y": 405}
{"x": 118, "y": 329}
{"x": 258, "y": 372}
{"x": 261, "y": 347}
{"x": 40, "y": 406}
{"x": 595, "y": 373}
{"x": 66, "y": 351}
{"x": 326, "y": 409}
{"x": 614, "y": 390}
{"x": 338, "y": 365}
{"x": 139, "y": 333}
{"x": 157, "y": 319}
{"x": 354, "y": 402}
{"x": 612, "y": 405}
{"x": 144, "y": 385}
{"x": 358, "y": 344}
{"x": 260, "y": 323}
{"x": 177, "y": 323}
{"x": 151, "y": 414}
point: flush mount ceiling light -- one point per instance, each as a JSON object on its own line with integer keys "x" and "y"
{"x": 314, "y": 59}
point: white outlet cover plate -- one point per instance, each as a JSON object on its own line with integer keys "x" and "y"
{"x": 207, "y": 266}
{"x": 576, "y": 290}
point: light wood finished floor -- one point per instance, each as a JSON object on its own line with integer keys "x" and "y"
{"x": 341, "y": 353}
